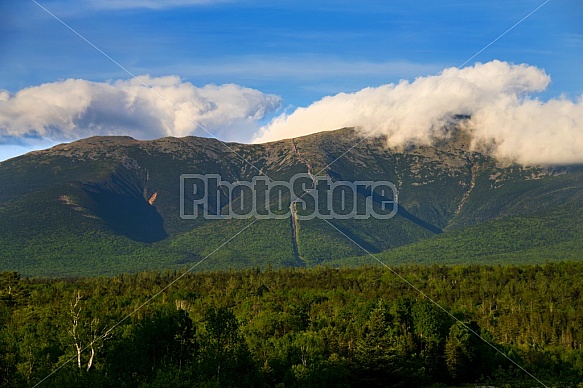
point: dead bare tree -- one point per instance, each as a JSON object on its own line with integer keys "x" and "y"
{"x": 75, "y": 312}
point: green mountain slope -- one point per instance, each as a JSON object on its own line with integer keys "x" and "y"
{"x": 551, "y": 235}
{"x": 105, "y": 205}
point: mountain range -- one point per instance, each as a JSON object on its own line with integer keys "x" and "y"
{"x": 107, "y": 205}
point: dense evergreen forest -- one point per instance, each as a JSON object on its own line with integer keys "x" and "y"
{"x": 296, "y": 327}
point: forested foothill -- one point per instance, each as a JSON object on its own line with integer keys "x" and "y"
{"x": 296, "y": 328}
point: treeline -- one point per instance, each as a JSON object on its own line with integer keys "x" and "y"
{"x": 296, "y": 327}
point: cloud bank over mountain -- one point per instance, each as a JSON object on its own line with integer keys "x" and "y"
{"x": 506, "y": 118}
{"x": 72, "y": 108}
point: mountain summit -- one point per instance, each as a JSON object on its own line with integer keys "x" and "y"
{"x": 105, "y": 205}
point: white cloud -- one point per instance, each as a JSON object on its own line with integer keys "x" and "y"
{"x": 500, "y": 97}
{"x": 73, "y": 108}
{"x": 497, "y": 95}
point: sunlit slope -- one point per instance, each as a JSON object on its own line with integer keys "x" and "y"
{"x": 105, "y": 205}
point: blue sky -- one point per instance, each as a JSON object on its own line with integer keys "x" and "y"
{"x": 300, "y": 51}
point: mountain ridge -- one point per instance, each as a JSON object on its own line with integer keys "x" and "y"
{"x": 125, "y": 193}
